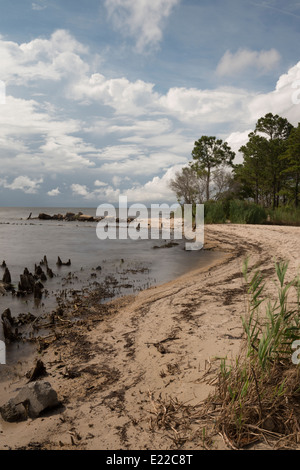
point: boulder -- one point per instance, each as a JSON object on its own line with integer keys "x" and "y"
{"x": 13, "y": 413}
{"x": 85, "y": 218}
{"x": 70, "y": 216}
{"x": 44, "y": 216}
{"x": 31, "y": 401}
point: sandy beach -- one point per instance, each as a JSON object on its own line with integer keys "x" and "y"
{"x": 116, "y": 368}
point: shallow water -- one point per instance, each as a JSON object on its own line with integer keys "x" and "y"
{"x": 134, "y": 264}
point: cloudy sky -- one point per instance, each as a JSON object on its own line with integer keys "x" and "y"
{"x": 107, "y": 97}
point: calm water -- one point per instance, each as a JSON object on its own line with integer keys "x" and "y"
{"x": 134, "y": 264}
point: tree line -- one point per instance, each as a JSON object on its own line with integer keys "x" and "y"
{"x": 268, "y": 176}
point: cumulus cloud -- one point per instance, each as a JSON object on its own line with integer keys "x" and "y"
{"x": 235, "y": 63}
{"x": 235, "y": 141}
{"x": 106, "y": 193}
{"x": 53, "y": 192}
{"x": 130, "y": 98}
{"x": 281, "y": 100}
{"x": 142, "y": 20}
{"x": 23, "y": 183}
{"x": 192, "y": 105}
{"x": 42, "y": 59}
{"x": 40, "y": 141}
{"x": 154, "y": 190}
{"x": 100, "y": 183}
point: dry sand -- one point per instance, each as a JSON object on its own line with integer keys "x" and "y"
{"x": 115, "y": 370}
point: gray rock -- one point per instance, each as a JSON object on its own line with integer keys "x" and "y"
{"x": 44, "y": 216}
{"x": 13, "y": 413}
{"x": 31, "y": 400}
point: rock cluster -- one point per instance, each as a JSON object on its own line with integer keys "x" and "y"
{"x": 70, "y": 217}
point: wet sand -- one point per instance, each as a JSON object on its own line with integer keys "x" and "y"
{"x": 119, "y": 365}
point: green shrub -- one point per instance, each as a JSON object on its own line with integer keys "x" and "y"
{"x": 214, "y": 212}
{"x": 285, "y": 216}
{"x": 242, "y": 212}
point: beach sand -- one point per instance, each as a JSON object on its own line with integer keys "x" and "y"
{"x": 119, "y": 372}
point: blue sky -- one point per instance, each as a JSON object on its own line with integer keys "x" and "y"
{"x": 107, "y": 97}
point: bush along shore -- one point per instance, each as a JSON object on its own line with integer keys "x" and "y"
{"x": 243, "y": 212}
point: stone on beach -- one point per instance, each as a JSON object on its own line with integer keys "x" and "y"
{"x": 31, "y": 401}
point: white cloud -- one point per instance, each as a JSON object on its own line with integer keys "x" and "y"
{"x": 106, "y": 193}
{"x": 100, "y": 183}
{"x": 42, "y": 59}
{"x": 143, "y": 165}
{"x": 156, "y": 189}
{"x": 129, "y": 98}
{"x": 142, "y": 20}
{"x": 279, "y": 101}
{"x": 232, "y": 64}
{"x": 23, "y": 183}
{"x": 40, "y": 141}
{"x": 80, "y": 189}
{"x": 235, "y": 142}
{"x": 54, "y": 192}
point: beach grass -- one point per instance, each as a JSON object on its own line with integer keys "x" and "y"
{"x": 259, "y": 395}
{"x": 285, "y": 216}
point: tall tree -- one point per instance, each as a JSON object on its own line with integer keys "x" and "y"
{"x": 208, "y": 154}
{"x": 276, "y": 131}
{"x": 253, "y": 173}
{"x": 276, "y": 127}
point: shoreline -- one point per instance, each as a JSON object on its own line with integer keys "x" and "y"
{"x": 113, "y": 367}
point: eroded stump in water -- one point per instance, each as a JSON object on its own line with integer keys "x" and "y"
{"x": 9, "y": 330}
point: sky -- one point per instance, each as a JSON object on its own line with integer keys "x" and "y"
{"x": 104, "y": 98}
